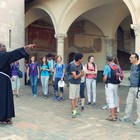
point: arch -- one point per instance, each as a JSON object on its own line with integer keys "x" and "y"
{"x": 43, "y": 11}
{"x": 131, "y": 8}
{"x": 73, "y": 11}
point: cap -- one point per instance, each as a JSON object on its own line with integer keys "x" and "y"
{"x": 61, "y": 83}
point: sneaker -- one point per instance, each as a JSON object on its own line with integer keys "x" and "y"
{"x": 118, "y": 110}
{"x": 60, "y": 99}
{"x": 125, "y": 119}
{"x": 34, "y": 95}
{"x": 88, "y": 103}
{"x": 55, "y": 98}
{"x": 45, "y": 96}
{"x": 94, "y": 105}
{"x": 17, "y": 95}
{"x": 105, "y": 107}
{"x": 73, "y": 115}
{"x": 137, "y": 122}
{"x": 82, "y": 108}
{"x": 78, "y": 114}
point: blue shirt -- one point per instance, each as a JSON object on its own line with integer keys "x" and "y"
{"x": 107, "y": 70}
{"x": 52, "y": 64}
{"x": 59, "y": 70}
{"x": 45, "y": 72}
{"x": 134, "y": 76}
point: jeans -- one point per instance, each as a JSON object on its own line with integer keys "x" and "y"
{"x": 91, "y": 89}
{"x": 16, "y": 83}
{"x": 56, "y": 85}
{"x": 33, "y": 80}
{"x": 82, "y": 89}
{"x": 44, "y": 83}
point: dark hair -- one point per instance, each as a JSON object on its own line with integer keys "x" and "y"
{"x": 116, "y": 61}
{"x": 49, "y": 55}
{"x": 90, "y": 57}
{"x": 109, "y": 57}
{"x": 42, "y": 60}
{"x": 136, "y": 55}
{"x": 78, "y": 56}
{"x": 31, "y": 57}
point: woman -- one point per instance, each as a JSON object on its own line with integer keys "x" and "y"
{"x": 91, "y": 75}
{"x": 59, "y": 72}
{"x": 116, "y": 61}
{"x": 82, "y": 91}
{"x": 45, "y": 69}
{"x": 15, "y": 79}
{"x": 33, "y": 74}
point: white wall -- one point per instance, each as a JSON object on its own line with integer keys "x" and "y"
{"x": 12, "y": 18}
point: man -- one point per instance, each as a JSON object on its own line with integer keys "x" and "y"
{"x": 6, "y": 96}
{"x": 52, "y": 64}
{"x": 133, "y": 93}
{"x": 111, "y": 88}
{"x": 77, "y": 72}
{"x": 51, "y": 61}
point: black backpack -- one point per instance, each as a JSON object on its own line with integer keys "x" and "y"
{"x": 114, "y": 79}
{"x": 68, "y": 72}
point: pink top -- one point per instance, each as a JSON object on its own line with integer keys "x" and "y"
{"x": 91, "y": 76}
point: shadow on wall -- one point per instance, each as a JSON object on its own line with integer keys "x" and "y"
{"x": 123, "y": 58}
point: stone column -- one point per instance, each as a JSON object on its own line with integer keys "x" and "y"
{"x": 136, "y": 28}
{"x": 111, "y": 46}
{"x": 60, "y": 44}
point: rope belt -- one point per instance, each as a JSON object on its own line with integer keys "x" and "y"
{"x": 5, "y": 74}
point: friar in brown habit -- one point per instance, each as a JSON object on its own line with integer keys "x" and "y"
{"x": 6, "y": 96}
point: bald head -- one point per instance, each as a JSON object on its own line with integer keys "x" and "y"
{"x": 2, "y": 47}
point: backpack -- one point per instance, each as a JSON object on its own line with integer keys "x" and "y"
{"x": 116, "y": 75}
{"x": 68, "y": 72}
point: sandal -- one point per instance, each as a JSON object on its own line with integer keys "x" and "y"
{"x": 110, "y": 118}
{"x": 7, "y": 121}
{"x": 17, "y": 95}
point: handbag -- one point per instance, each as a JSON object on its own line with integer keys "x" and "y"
{"x": 19, "y": 73}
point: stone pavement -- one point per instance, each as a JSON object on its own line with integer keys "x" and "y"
{"x": 44, "y": 119}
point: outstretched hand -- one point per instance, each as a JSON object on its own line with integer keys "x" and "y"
{"x": 30, "y": 46}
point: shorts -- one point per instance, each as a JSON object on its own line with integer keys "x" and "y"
{"x": 74, "y": 90}
{"x": 111, "y": 91}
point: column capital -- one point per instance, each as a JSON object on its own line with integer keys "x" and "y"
{"x": 136, "y": 28}
{"x": 60, "y": 37}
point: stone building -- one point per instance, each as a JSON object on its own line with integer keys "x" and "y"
{"x": 64, "y": 27}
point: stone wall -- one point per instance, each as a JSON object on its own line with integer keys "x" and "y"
{"x": 12, "y": 24}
